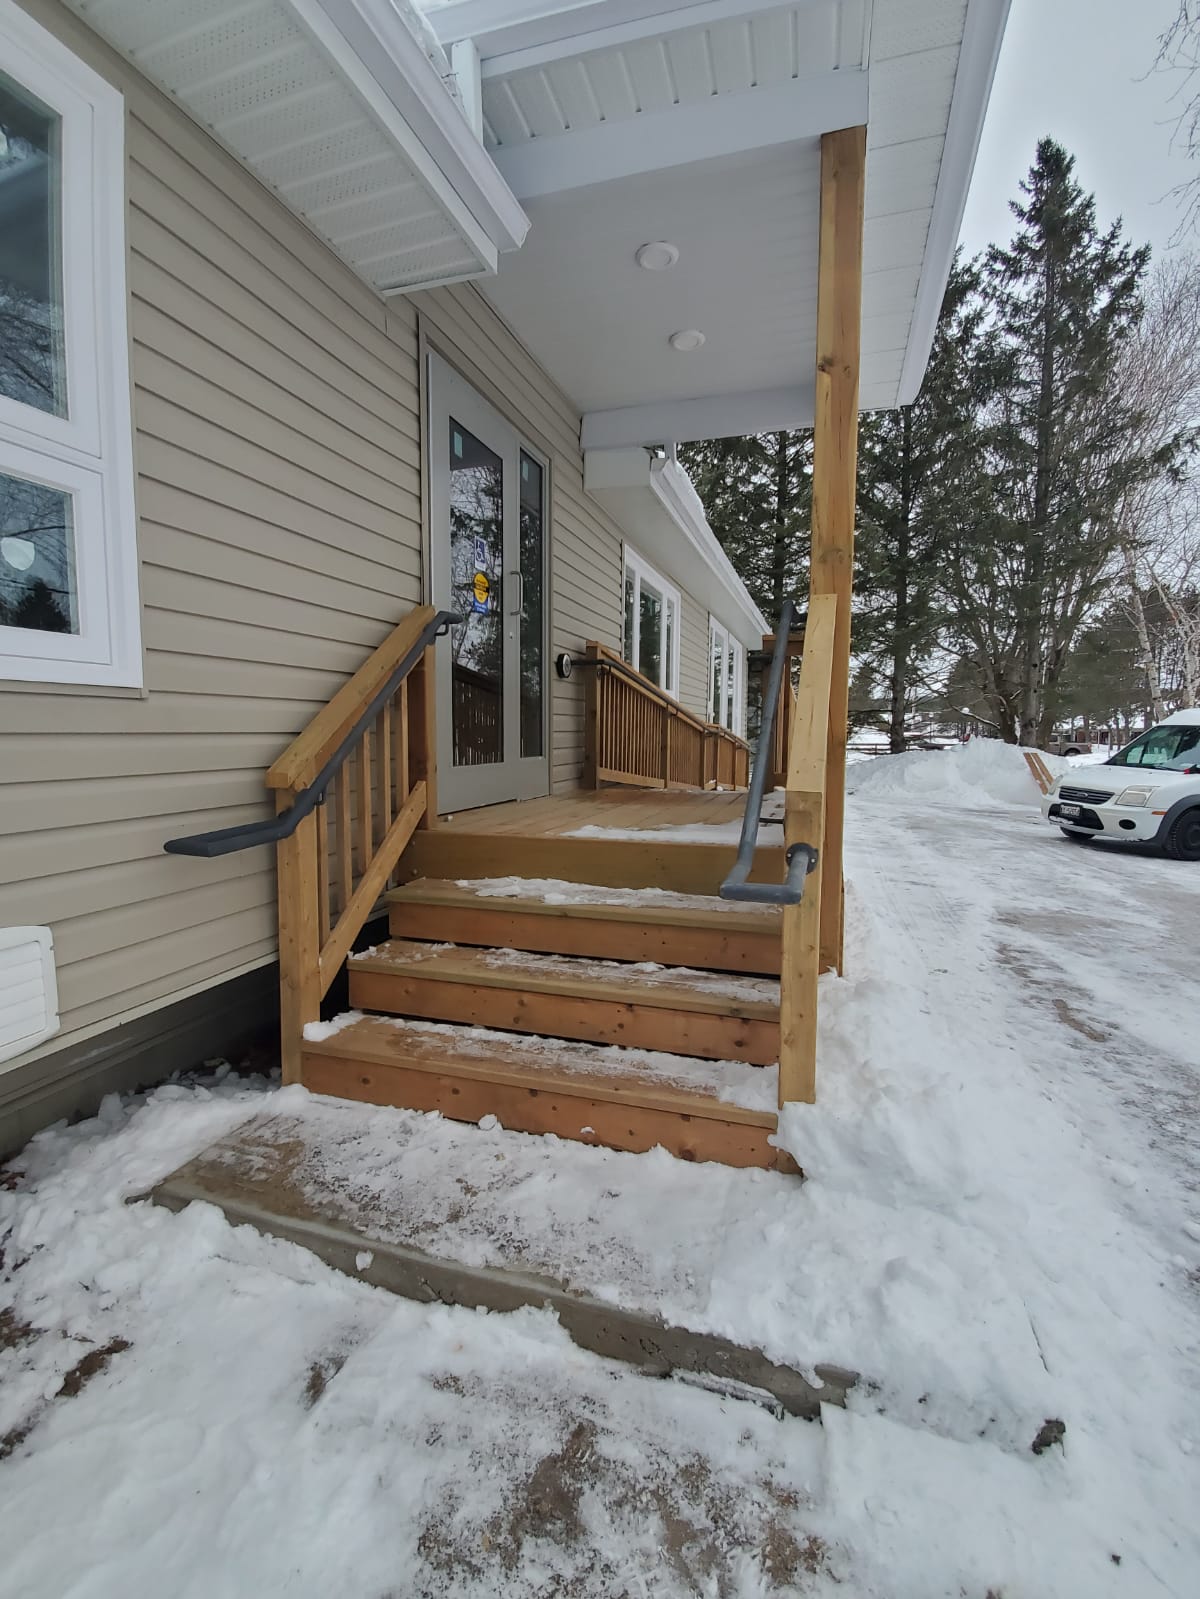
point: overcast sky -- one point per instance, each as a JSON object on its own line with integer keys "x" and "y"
{"x": 1081, "y": 70}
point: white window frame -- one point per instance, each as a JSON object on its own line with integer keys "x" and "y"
{"x": 637, "y": 567}
{"x": 89, "y": 452}
{"x": 720, "y": 638}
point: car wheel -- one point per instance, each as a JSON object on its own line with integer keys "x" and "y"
{"x": 1182, "y": 842}
{"x": 1076, "y": 838}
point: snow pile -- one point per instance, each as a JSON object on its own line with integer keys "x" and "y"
{"x": 985, "y": 771}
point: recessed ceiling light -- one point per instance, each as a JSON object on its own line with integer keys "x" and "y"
{"x": 657, "y": 257}
{"x": 688, "y": 339}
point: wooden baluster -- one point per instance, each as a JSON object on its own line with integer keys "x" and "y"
{"x": 323, "y": 923}
{"x": 666, "y": 746}
{"x": 299, "y": 939}
{"x": 400, "y": 740}
{"x": 383, "y": 769}
{"x": 341, "y": 822}
{"x": 422, "y": 734}
{"x": 366, "y": 824}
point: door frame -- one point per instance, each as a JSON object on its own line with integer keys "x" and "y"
{"x": 448, "y": 392}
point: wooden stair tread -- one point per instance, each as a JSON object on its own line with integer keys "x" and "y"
{"x": 587, "y": 1071}
{"x": 639, "y": 906}
{"x": 667, "y": 988}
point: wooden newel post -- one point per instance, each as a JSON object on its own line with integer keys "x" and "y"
{"x": 422, "y": 733}
{"x": 835, "y": 461}
{"x": 299, "y": 938}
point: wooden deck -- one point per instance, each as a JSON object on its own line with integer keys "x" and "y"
{"x": 559, "y": 814}
{"x": 540, "y": 838}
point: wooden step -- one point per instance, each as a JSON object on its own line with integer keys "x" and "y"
{"x": 624, "y": 860}
{"x": 606, "y": 923}
{"x": 625, "y": 1099}
{"x": 706, "y": 1014}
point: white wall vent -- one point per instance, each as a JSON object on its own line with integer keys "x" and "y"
{"x": 28, "y": 989}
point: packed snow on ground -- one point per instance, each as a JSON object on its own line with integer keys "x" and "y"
{"x": 1000, "y": 1230}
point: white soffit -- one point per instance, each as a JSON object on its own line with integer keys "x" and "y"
{"x": 652, "y": 501}
{"x": 622, "y": 121}
{"x": 345, "y": 109}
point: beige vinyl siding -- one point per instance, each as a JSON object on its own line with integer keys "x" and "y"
{"x": 279, "y": 498}
{"x": 693, "y": 656}
{"x": 278, "y": 443}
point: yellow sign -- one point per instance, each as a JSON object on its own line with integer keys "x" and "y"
{"x": 483, "y": 588}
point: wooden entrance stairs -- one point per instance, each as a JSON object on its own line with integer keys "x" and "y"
{"x": 603, "y": 1014}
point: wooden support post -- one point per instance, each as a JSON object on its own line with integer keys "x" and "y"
{"x": 592, "y": 691}
{"x": 805, "y": 823}
{"x": 422, "y": 733}
{"x": 299, "y": 940}
{"x": 835, "y": 460}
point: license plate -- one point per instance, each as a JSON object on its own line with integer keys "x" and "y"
{"x": 1070, "y": 810}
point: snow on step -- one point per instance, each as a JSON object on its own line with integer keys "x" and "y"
{"x": 664, "y": 985}
{"x": 728, "y": 1082}
{"x": 557, "y": 891}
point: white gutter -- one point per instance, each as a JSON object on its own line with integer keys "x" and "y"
{"x": 651, "y": 498}
{"x": 395, "y": 46}
{"x": 983, "y": 33}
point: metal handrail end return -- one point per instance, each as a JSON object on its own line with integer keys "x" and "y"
{"x": 801, "y": 858}
{"x": 227, "y": 840}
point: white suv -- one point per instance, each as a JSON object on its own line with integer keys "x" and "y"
{"x": 1148, "y": 793}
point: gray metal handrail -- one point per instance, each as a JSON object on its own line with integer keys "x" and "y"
{"x": 227, "y": 840}
{"x": 801, "y": 858}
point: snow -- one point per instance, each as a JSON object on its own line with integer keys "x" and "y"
{"x": 722, "y": 833}
{"x": 1000, "y": 1227}
{"x": 984, "y": 770}
{"x": 319, "y": 1032}
{"x": 555, "y": 891}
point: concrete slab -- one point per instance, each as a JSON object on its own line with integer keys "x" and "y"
{"x": 272, "y": 1174}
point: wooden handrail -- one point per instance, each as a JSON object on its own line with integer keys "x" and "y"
{"x": 341, "y": 857}
{"x": 804, "y": 822}
{"x": 637, "y": 733}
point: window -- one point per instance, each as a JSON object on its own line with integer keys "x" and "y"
{"x": 727, "y": 679}
{"x": 651, "y": 641}
{"x": 68, "y": 553}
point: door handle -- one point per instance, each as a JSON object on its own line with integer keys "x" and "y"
{"x": 520, "y": 605}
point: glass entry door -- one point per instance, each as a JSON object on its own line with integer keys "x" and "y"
{"x": 488, "y": 559}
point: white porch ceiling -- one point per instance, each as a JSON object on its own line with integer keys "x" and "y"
{"x": 619, "y": 122}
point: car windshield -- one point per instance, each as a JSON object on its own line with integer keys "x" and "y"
{"x": 1173, "y": 748}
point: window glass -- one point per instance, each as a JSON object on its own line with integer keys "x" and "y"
{"x": 37, "y": 557}
{"x": 1174, "y": 747}
{"x": 32, "y": 368}
{"x": 628, "y": 640}
{"x": 717, "y": 674}
{"x": 532, "y": 629}
{"x": 650, "y": 634}
{"x": 476, "y": 565}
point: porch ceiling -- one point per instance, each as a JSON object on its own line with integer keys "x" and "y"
{"x": 621, "y": 122}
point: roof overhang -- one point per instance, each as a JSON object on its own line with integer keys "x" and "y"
{"x": 347, "y": 110}
{"x": 652, "y": 501}
{"x": 698, "y": 122}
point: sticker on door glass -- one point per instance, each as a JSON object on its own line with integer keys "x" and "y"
{"x": 482, "y": 589}
{"x": 481, "y": 554}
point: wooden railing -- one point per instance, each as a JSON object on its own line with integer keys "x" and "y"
{"x": 636, "y": 733}
{"x": 340, "y": 859}
{"x": 776, "y": 745}
{"x": 804, "y": 823}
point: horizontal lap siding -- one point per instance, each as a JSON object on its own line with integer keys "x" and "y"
{"x": 279, "y": 498}
{"x": 694, "y": 656}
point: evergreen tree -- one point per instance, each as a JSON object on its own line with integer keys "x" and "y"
{"x": 1061, "y": 300}
{"x": 757, "y": 494}
{"x": 912, "y": 465}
